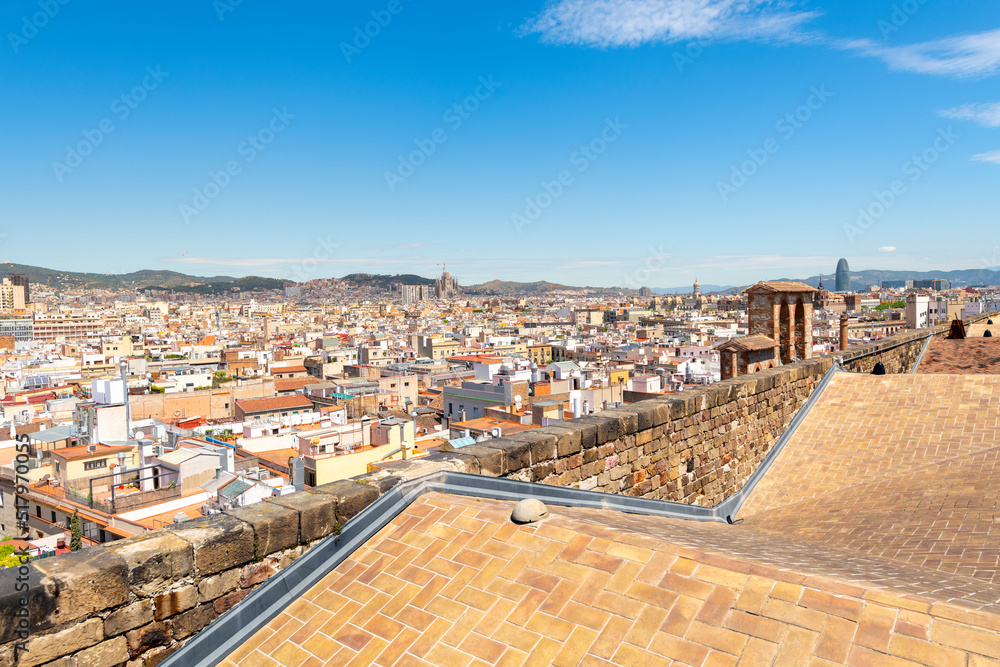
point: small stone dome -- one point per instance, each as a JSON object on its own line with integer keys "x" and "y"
{"x": 529, "y": 510}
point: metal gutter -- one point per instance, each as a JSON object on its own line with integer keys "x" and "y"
{"x": 923, "y": 351}
{"x": 731, "y": 506}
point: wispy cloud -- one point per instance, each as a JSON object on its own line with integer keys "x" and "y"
{"x": 976, "y": 54}
{"x": 887, "y": 248}
{"x": 614, "y": 23}
{"x": 393, "y": 246}
{"x": 992, "y": 156}
{"x": 759, "y": 262}
{"x": 281, "y": 261}
{"x": 987, "y": 115}
{"x": 630, "y": 23}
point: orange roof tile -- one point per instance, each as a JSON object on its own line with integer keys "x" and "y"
{"x": 273, "y": 404}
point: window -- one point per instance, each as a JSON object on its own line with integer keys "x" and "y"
{"x": 53, "y": 517}
{"x": 95, "y": 465}
{"x": 38, "y": 511}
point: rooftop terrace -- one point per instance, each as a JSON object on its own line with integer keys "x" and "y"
{"x": 866, "y": 536}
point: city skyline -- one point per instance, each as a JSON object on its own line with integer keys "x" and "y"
{"x": 574, "y": 142}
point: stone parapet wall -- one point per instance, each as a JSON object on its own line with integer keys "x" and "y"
{"x": 135, "y": 601}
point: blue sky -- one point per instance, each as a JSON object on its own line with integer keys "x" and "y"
{"x": 612, "y": 142}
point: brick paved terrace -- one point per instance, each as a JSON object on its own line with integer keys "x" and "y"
{"x": 452, "y": 581}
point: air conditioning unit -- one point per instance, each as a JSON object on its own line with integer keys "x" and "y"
{"x": 496, "y": 432}
{"x": 91, "y": 448}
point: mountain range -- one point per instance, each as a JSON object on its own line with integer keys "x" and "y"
{"x": 180, "y": 282}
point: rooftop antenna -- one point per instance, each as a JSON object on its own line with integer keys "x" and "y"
{"x": 128, "y": 414}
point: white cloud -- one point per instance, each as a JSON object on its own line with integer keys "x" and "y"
{"x": 887, "y": 248}
{"x": 758, "y": 262}
{"x": 630, "y": 23}
{"x": 612, "y": 23}
{"x": 394, "y": 246}
{"x": 987, "y": 115}
{"x": 992, "y": 156}
{"x": 969, "y": 55}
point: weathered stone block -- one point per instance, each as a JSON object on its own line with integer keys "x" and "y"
{"x": 219, "y": 542}
{"x": 39, "y": 599}
{"x": 275, "y": 527}
{"x": 568, "y": 438}
{"x": 156, "y": 656}
{"x": 541, "y": 444}
{"x": 192, "y": 621}
{"x": 380, "y": 480}
{"x": 489, "y": 460}
{"x": 608, "y": 428}
{"x": 352, "y": 498}
{"x": 7, "y": 654}
{"x": 419, "y": 467}
{"x": 650, "y": 414}
{"x": 516, "y": 454}
{"x": 106, "y": 654}
{"x": 458, "y": 461}
{"x": 128, "y": 618}
{"x": 227, "y": 602}
{"x": 154, "y": 560}
{"x": 256, "y": 573}
{"x": 147, "y": 637}
{"x": 589, "y": 427}
{"x": 174, "y": 602}
{"x": 316, "y": 513}
{"x": 542, "y": 470}
{"x": 87, "y": 581}
{"x": 218, "y": 585}
{"x": 48, "y": 647}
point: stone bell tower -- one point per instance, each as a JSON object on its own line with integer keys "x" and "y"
{"x": 782, "y": 311}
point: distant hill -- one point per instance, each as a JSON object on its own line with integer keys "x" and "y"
{"x": 385, "y": 282}
{"x": 74, "y": 280}
{"x": 862, "y": 279}
{"x": 542, "y": 286}
{"x": 706, "y": 289}
{"x": 248, "y": 284}
{"x": 181, "y": 282}
{"x": 959, "y": 278}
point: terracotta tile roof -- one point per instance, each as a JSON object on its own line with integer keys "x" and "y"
{"x": 251, "y": 405}
{"x": 780, "y": 286}
{"x": 969, "y": 356}
{"x": 81, "y": 452}
{"x": 898, "y": 466}
{"x": 751, "y": 343}
{"x": 294, "y": 384}
{"x": 289, "y": 369}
